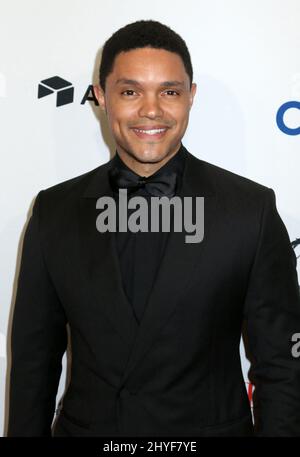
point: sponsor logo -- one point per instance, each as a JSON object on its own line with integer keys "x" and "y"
{"x": 294, "y": 244}
{"x": 281, "y": 121}
{"x": 250, "y": 387}
{"x": 296, "y": 336}
{"x": 64, "y": 91}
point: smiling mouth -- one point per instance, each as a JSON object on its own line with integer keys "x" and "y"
{"x": 153, "y": 133}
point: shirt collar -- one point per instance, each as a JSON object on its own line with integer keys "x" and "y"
{"x": 175, "y": 164}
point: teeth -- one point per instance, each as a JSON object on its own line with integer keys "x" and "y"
{"x": 151, "y": 132}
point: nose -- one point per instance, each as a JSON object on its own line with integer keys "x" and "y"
{"x": 150, "y": 107}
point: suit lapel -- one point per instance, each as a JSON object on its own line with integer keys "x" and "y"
{"x": 176, "y": 267}
{"x": 100, "y": 260}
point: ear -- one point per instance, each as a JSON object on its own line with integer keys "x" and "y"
{"x": 192, "y": 93}
{"x": 100, "y": 97}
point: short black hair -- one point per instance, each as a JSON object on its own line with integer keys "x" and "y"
{"x": 142, "y": 34}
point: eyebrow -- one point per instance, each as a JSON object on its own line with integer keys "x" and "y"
{"x": 164, "y": 83}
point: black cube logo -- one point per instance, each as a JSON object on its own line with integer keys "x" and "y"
{"x": 63, "y": 89}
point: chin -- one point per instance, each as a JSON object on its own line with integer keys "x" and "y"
{"x": 150, "y": 156}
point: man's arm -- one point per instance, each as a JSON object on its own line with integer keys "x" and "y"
{"x": 272, "y": 313}
{"x": 38, "y": 341}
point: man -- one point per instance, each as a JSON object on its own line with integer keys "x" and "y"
{"x": 155, "y": 321}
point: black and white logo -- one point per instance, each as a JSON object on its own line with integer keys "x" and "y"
{"x": 63, "y": 89}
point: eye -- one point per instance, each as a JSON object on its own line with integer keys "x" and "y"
{"x": 171, "y": 92}
{"x": 128, "y": 92}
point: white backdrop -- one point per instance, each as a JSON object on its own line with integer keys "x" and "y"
{"x": 246, "y": 64}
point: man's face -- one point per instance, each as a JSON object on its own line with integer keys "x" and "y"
{"x": 147, "y": 100}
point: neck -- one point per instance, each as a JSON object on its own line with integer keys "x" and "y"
{"x": 144, "y": 168}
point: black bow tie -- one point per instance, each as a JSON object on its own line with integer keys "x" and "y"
{"x": 160, "y": 184}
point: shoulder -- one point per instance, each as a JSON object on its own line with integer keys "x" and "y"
{"x": 238, "y": 198}
{"x": 66, "y": 192}
{"x": 223, "y": 179}
{"x": 76, "y": 184}
{"x": 230, "y": 188}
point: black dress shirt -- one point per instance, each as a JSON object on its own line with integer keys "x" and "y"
{"x": 140, "y": 253}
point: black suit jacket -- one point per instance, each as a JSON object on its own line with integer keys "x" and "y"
{"x": 178, "y": 373}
